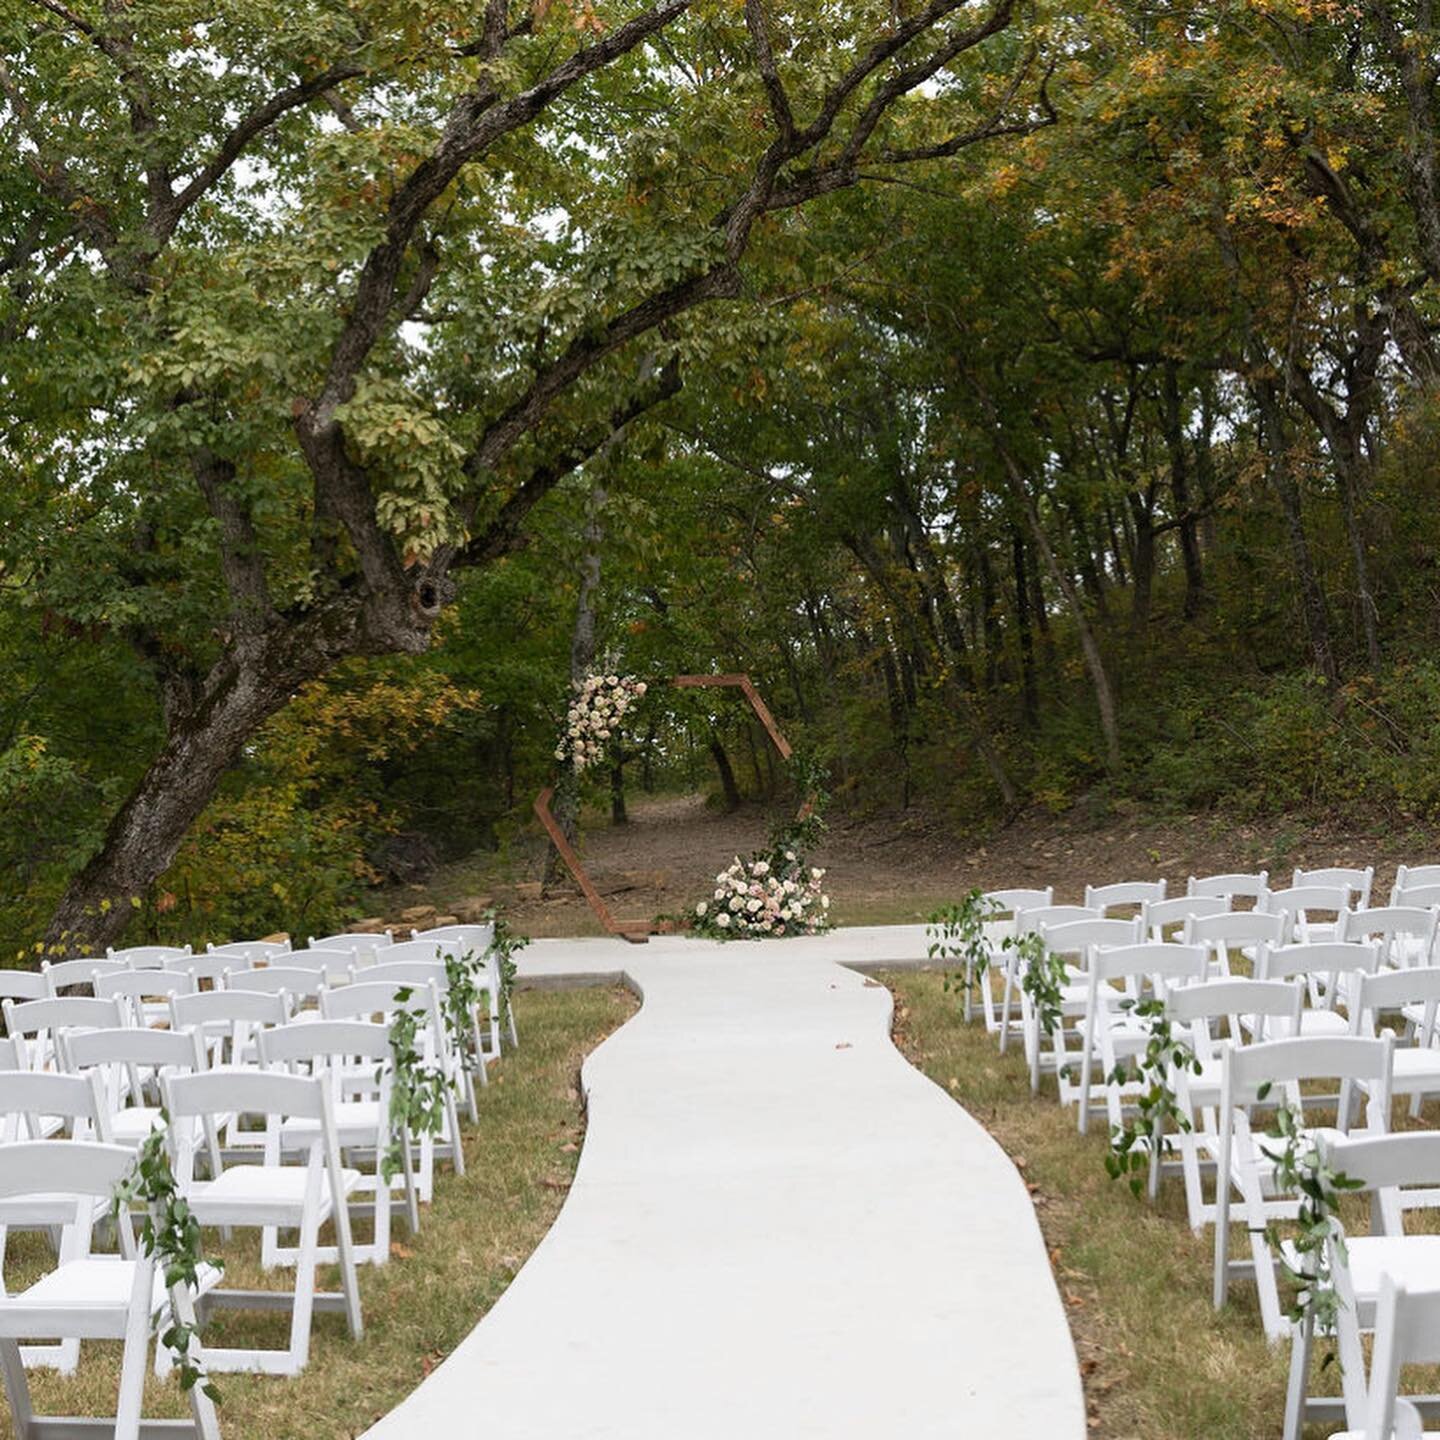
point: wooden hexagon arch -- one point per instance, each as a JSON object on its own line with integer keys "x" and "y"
{"x": 638, "y": 932}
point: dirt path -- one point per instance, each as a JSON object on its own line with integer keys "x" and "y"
{"x": 899, "y": 867}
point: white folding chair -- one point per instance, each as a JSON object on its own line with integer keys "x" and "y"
{"x": 1001, "y": 906}
{"x": 1234, "y": 936}
{"x": 34, "y": 1024}
{"x": 89, "y": 1297}
{"x": 433, "y": 972}
{"x": 1404, "y": 933}
{"x": 367, "y": 1000}
{"x": 1413, "y": 877}
{"x": 227, "y": 1021}
{"x": 1321, "y": 965}
{"x": 251, "y": 952}
{"x": 145, "y": 995}
{"x": 1302, "y": 902}
{"x": 1407, "y": 1332}
{"x": 1254, "y": 886}
{"x": 1127, "y": 893}
{"x": 291, "y": 980}
{"x": 1028, "y": 922}
{"x": 1357, "y": 881}
{"x": 1110, "y": 1031}
{"x": 362, "y": 944}
{"x": 67, "y": 974}
{"x": 479, "y": 940}
{"x": 1165, "y": 919}
{"x": 1239, "y": 1008}
{"x": 1391, "y": 1169}
{"x": 348, "y": 1055}
{"x": 37, "y": 1105}
{"x": 270, "y": 1195}
{"x": 148, "y": 957}
{"x": 1411, "y": 992}
{"x": 1076, "y": 939}
{"x": 23, "y": 985}
{"x": 1245, "y": 1162}
{"x": 210, "y": 966}
{"x": 334, "y": 962}
{"x": 128, "y": 1064}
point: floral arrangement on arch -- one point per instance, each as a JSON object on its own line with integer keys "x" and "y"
{"x": 599, "y": 704}
{"x": 775, "y": 893}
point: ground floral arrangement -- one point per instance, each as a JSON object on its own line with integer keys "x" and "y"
{"x": 599, "y": 705}
{"x": 776, "y": 892}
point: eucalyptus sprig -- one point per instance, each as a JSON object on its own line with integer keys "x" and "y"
{"x": 1142, "y": 1136}
{"x": 506, "y": 944}
{"x": 1300, "y": 1167}
{"x": 957, "y": 932}
{"x": 457, "y": 1006}
{"x": 1042, "y": 977}
{"x": 417, "y": 1089}
{"x": 171, "y": 1234}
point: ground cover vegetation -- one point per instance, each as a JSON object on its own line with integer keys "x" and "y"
{"x": 1040, "y": 405}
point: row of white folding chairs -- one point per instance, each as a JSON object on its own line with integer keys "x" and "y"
{"x": 63, "y": 1183}
{"x": 264, "y": 1194}
{"x": 229, "y": 1023}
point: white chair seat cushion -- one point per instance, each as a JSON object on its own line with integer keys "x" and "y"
{"x": 1415, "y": 1067}
{"x": 265, "y": 1190}
{"x": 355, "y": 1120}
{"x": 100, "y": 1283}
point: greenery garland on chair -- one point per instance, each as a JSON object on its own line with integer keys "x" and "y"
{"x": 1300, "y": 1166}
{"x": 1042, "y": 978}
{"x": 417, "y": 1089}
{"x": 171, "y": 1234}
{"x": 1138, "y": 1142}
{"x": 957, "y": 932}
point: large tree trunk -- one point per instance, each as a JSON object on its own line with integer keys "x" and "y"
{"x": 205, "y": 736}
{"x": 1142, "y": 514}
{"x": 726, "y": 772}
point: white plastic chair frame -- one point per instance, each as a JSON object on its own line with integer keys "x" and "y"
{"x": 1356, "y": 880}
{"x": 347, "y": 1055}
{"x": 23, "y": 985}
{"x": 1417, "y": 991}
{"x": 1300, "y": 902}
{"x": 365, "y": 999}
{"x": 1078, "y": 939}
{"x": 1244, "y": 1070}
{"x": 66, "y": 974}
{"x": 1109, "y": 1033}
{"x": 128, "y": 1063}
{"x": 1321, "y": 965}
{"x": 1404, "y": 933}
{"x": 140, "y": 992}
{"x": 432, "y": 972}
{"x": 1199, "y": 1010}
{"x": 148, "y": 957}
{"x": 1388, "y": 1167}
{"x": 88, "y": 1297}
{"x": 481, "y": 940}
{"x": 35, "y": 1023}
{"x": 1003, "y": 906}
{"x": 269, "y": 1196}
{"x": 72, "y": 1103}
{"x": 1253, "y": 886}
{"x": 1234, "y": 934}
{"x": 1124, "y": 892}
{"x": 1026, "y": 922}
{"x": 1412, "y": 877}
{"x": 251, "y": 952}
{"x": 1159, "y": 916}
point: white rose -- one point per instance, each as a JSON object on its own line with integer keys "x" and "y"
{"x": 559, "y": 752}
{"x": 701, "y": 908}
{"x": 753, "y": 907}
{"x": 641, "y": 688}
{"x": 736, "y": 902}
{"x": 723, "y": 920}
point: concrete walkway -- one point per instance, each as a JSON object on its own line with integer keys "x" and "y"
{"x": 778, "y": 1228}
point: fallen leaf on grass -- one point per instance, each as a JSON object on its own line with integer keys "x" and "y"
{"x": 400, "y": 1252}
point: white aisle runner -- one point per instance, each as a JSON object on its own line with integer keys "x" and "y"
{"x": 778, "y": 1228}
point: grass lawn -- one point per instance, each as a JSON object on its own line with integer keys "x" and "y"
{"x": 520, "y": 1159}
{"x": 1158, "y": 1362}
